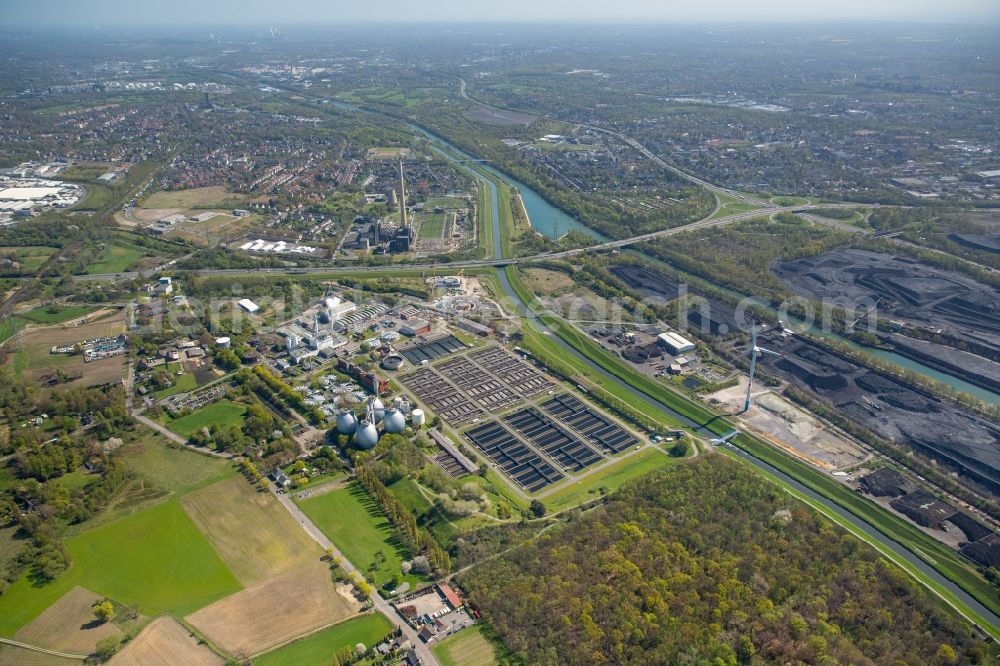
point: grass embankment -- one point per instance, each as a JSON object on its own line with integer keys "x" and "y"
{"x": 317, "y": 649}
{"x": 115, "y": 258}
{"x": 58, "y": 314}
{"x": 606, "y": 480}
{"x": 948, "y": 562}
{"x": 9, "y": 326}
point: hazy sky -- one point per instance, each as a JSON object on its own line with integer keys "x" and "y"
{"x": 88, "y": 12}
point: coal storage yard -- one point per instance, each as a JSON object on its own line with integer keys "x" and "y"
{"x": 892, "y": 410}
{"x": 713, "y": 318}
{"x": 954, "y": 307}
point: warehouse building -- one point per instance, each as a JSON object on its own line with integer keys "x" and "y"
{"x": 674, "y": 343}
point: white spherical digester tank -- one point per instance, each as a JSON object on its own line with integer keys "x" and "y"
{"x": 394, "y": 421}
{"x": 367, "y": 436}
{"x": 347, "y": 422}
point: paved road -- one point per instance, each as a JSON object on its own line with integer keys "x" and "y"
{"x": 174, "y": 437}
{"x": 35, "y": 648}
{"x": 383, "y": 606}
{"x": 501, "y": 261}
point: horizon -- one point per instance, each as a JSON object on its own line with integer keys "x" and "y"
{"x": 193, "y": 14}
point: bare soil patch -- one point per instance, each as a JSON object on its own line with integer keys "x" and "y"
{"x": 165, "y": 642}
{"x": 274, "y": 611}
{"x": 68, "y": 625}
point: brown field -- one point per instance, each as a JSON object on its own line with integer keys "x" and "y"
{"x": 151, "y": 215}
{"x": 68, "y": 624}
{"x": 250, "y": 530}
{"x": 199, "y": 197}
{"x": 274, "y": 611}
{"x": 543, "y": 281}
{"x": 36, "y": 341}
{"x": 15, "y": 656}
{"x": 165, "y": 642}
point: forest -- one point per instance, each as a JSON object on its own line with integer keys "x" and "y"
{"x": 707, "y": 563}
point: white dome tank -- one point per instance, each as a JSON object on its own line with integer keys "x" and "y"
{"x": 417, "y": 416}
{"x": 367, "y": 436}
{"x": 394, "y": 421}
{"x": 347, "y": 422}
{"x": 379, "y": 409}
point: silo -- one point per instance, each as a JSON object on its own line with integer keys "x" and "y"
{"x": 367, "y": 436}
{"x": 347, "y": 422}
{"x": 394, "y": 421}
{"x": 417, "y": 417}
{"x": 378, "y": 408}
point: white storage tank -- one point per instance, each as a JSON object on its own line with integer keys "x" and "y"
{"x": 347, "y": 422}
{"x": 417, "y": 417}
{"x": 223, "y": 342}
{"x": 394, "y": 422}
{"x": 367, "y": 436}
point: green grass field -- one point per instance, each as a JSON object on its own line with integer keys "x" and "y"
{"x": 155, "y": 561}
{"x": 611, "y": 478}
{"x": 466, "y": 648}
{"x": 31, "y": 257}
{"x": 57, "y": 314}
{"x": 115, "y": 258}
{"x": 356, "y": 524}
{"x": 182, "y": 383}
{"x": 407, "y": 492}
{"x": 9, "y": 326}
{"x": 222, "y": 413}
{"x": 318, "y": 649}
{"x": 433, "y": 225}
{"x": 171, "y": 467}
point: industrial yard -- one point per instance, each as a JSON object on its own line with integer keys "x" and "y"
{"x": 791, "y": 427}
{"x": 890, "y": 408}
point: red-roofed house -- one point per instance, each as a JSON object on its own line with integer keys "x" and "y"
{"x": 449, "y": 594}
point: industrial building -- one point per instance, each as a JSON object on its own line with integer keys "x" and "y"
{"x": 369, "y": 234}
{"x": 674, "y": 343}
{"x": 248, "y": 305}
{"x": 415, "y": 327}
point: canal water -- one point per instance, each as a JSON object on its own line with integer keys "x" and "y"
{"x": 548, "y": 220}
{"x": 797, "y": 324}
